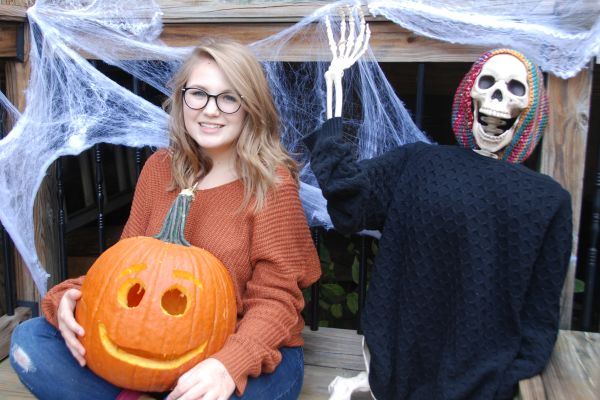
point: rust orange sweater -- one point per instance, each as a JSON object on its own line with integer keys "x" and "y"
{"x": 269, "y": 254}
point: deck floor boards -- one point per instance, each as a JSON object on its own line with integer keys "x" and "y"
{"x": 328, "y": 353}
{"x": 11, "y": 387}
{"x": 572, "y": 373}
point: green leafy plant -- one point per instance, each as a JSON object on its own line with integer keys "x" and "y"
{"x": 579, "y": 286}
{"x": 340, "y": 264}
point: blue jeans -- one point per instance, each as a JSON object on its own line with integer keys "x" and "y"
{"x": 42, "y": 361}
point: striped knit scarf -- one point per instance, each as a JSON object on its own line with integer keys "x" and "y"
{"x": 530, "y": 124}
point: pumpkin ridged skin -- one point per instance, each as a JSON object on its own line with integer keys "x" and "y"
{"x": 209, "y": 317}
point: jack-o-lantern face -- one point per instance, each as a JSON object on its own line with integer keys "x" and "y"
{"x": 152, "y": 310}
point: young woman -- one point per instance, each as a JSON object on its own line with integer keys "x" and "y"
{"x": 246, "y": 210}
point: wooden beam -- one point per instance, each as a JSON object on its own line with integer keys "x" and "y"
{"x": 177, "y": 11}
{"x": 17, "y": 78}
{"x": 389, "y": 42}
{"x": 44, "y": 213}
{"x": 563, "y": 155}
{"x": 16, "y": 13}
{"x": 8, "y": 40}
{"x": 210, "y": 11}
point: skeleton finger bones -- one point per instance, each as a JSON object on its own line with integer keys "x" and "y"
{"x": 346, "y": 51}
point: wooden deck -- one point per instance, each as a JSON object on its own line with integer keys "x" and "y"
{"x": 328, "y": 353}
{"x": 573, "y": 372}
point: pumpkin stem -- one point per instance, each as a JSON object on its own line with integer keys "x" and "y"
{"x": 173, "y": 227}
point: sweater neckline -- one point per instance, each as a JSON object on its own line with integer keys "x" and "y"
{"x": 219, "y": 187}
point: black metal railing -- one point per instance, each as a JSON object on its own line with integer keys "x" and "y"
{"x": 592, "y": 260}
{"x": 62, "y": 222}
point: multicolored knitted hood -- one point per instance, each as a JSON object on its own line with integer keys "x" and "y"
{"x": 531, "y": 123}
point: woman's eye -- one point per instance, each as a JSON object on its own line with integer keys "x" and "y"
{"x": 229, "y": 98}
{"x": 198, "y": 93}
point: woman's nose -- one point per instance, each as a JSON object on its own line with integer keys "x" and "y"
{"x": 211, "y": 106}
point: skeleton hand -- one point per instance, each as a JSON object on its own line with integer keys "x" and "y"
{"x": 342, "y": 388}
{"x": 345, "y": 53}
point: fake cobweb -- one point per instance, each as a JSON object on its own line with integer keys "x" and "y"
{"x": 71, "y": 105}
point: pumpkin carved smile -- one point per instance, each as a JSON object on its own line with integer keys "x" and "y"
{"x": 133, "y": 359}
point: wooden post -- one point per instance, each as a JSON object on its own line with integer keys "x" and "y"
{"x": 563, "y": 156}
{"x": 44, "y": 214}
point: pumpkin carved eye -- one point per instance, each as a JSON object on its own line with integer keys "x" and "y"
{"x": 174, "y": 301}
{"x": 131, "y": 293}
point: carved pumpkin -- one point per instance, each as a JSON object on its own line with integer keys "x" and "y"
{"x": 153, "y": 307}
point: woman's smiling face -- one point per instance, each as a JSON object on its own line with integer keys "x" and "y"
{"x": 213, "y": 130}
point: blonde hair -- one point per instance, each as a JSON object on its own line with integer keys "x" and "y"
{"x": 259, "y": 151}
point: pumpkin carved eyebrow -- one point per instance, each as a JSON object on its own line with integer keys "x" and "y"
{"x": 187, "y": 275}
{"x": 133, "y": 269}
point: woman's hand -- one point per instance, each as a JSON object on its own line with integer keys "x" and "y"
{"x": 68, "y": 326}
{"x": 208, "y": 380}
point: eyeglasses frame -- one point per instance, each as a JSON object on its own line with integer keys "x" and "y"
{"x": 215, "y": 96}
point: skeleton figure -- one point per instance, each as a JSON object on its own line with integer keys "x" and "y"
{"x": 500, "y": 108}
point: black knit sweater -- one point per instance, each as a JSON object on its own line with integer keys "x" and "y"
{"x": 464, "y": 297}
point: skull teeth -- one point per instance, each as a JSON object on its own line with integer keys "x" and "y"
{"x": 493, "y": 126}
{"x": 494, "y": 113}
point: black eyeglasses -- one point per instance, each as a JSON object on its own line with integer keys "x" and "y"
{"x": 197, "y": 99}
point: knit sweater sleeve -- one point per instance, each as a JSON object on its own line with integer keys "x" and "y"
{"x": 541, "y": 312}
{"x": 284, "y": 260}
{"x": 358, "y": 193}
{"x": 52, "y": 299}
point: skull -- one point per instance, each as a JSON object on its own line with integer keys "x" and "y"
{"x": 500, "y": 94}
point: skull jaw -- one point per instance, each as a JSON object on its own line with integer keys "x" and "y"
{"x": 487, "y": 139}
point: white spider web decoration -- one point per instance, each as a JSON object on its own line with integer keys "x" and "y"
{"x": 71, "y": 106}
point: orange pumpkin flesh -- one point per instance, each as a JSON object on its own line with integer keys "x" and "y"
{"x": 151, "y": 309}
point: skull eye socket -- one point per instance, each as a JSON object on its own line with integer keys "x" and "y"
{"x": 516, "y": 88}
{"x": 486, "y": 82}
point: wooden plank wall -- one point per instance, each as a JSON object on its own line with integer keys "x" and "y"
{"x": 563, "y": 152}
{"x": 563, "y": 155}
